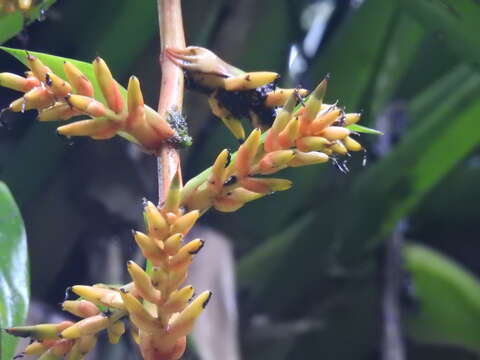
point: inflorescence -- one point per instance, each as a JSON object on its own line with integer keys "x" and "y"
{"x": 291, "y": 130}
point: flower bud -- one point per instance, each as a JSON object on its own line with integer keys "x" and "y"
{"x": 24, "y": 5}
{"x": 58, "y": 111}
{"x": 246, "y": 153}
{"x": 115, "y": 332}
{"x": 182, "y": 324}
{"x": 279, "y": 96}
{"x": 36, "y": 348}
{"x": 352, "y": 144}
{"x": 184, "y": 223}
{"x": 312, "y": 143}
{"x": 139, "y": 315}
{"x": 219, "y": 171}
{"x": 287, "y": 137}
{"x": 281, "y": 120}
{"x": 149, "y": 248}
{"x": 308, "y": 158}
{"x": 88, "y": 326}
{"x": 352, "y": 118}
{"x": 313, "y": 106}
{"x": 265, "y": 185}
{"x": 57, "y": 350}
{"x": 185, "y": 255}
{"x": 275, "y": 161}
{"x": 176, "y": 279}
{"x": 80, "y": 308}
{"x": 57, "y": 85}
{"x": 40, "y": 331}
{"x": 82, "y": 346}
{"x": 108, "y": 85}
{"x": 38, "y": 69}
{"x": 37, "y": 98}
{"x": 339, "y": 148}
{"x": 99, "y": 296}
{"x": 323, "y": 120}
{"x": 227, "y": 204}
{"x": 335, "y": 133}
{"x": 250, "y": 81}
{"x": 173, "y": 244}
{"x": 233, "y": 124}
{"x": 16, "y": 82}
{"x": 143, "y": 283}
{"x": 79, "y": 81}
{"x": 174, "y": 195}
{"x": 88, "y": 106}
{"x": 179, "y": 299}
{"x": 98, "y": 128}
{"x": 156, "y": 222}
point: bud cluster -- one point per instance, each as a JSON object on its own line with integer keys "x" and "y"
{"x": 308, "y": 134}
{"x": 303, "y": 131}
{"x": 161, "y": 313}
{"x": 8, "y": 6}
{"x": 57, "y": 99}
{"x": 233, "y": 93}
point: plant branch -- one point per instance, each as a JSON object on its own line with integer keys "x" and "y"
{"x": 172, "y": 87}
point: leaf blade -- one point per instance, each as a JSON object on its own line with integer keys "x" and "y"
{"x": 448, "y": 297}
{"x": 14, "y": 277}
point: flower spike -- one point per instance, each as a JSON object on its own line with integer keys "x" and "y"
{"x": 301, "y": 134}
{"x": 56, "y": 98}
{"x": 161, "y": 310}
{"x": 229, "y": 86}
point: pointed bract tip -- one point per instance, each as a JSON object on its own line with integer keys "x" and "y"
{"x": 207, "y": 300}
{"x": 196, "y": 251}
{"x": 229, "y": 158}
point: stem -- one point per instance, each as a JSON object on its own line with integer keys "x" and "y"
{"x": 172, "y": 87}
{"x": 392, "y": 341}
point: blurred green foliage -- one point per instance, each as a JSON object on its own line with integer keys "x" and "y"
{"x": 312, "y": 252}
{"x": 449, "y": 298}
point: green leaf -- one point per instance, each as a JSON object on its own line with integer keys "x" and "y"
{"x": 364, "y": 129}
{"x": 14, "y": 278}
{"x": 12, "y": 24}
{"x": 454, "y": 20}
{"x": 448, "y": 300}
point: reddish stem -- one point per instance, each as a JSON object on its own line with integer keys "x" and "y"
{"x": 172, "y": 86}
